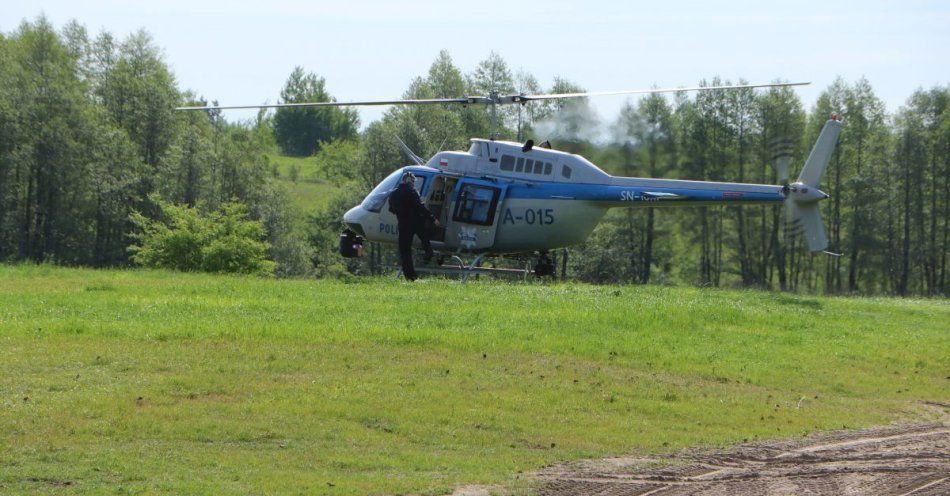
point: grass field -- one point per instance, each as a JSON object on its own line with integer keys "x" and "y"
{"x": 309, "y": 196}
{"x": 307, "y": 166}
{"x": 310, "y": 192}
{"x": 149, "y": 381}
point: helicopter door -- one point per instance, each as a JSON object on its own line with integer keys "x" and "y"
{"x": 475, "y": 214}
{"x": 440, "y": 195}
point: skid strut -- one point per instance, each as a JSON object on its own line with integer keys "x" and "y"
{"x": 457, "y": 266}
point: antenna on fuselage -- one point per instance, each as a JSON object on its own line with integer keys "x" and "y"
{"x": 411, "y": 155}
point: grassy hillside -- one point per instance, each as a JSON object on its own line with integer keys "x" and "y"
{"x": 310, "y": 191}
{"x": 179, "y": 383}
{"x": 309, "y": 196}
{"x": 306, "y": 166}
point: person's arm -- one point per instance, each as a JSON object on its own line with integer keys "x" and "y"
{"x": 421, "y": 207}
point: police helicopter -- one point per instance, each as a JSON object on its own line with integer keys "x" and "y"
{"x": 522, "y": 200}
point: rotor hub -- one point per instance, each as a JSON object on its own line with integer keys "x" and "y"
{"x": 803, "y": 193}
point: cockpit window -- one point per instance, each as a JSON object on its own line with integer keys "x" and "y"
{"x": 377, "y": 198}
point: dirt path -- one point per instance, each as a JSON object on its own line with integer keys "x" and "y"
{"x": 893, "y": 461}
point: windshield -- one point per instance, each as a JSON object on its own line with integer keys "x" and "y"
{"x": 375, "y": 199}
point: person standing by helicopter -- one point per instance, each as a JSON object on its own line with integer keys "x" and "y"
{"x": 412, "y": 215}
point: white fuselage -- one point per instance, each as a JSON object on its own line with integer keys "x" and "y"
{"x": 501, "y": 198}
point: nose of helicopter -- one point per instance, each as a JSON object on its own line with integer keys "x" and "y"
{"x": 353, "y": 219}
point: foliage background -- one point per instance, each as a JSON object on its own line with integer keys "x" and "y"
{"x": 88, "y": 137}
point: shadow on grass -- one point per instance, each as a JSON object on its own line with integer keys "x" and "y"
{"x": 797, "y": 301}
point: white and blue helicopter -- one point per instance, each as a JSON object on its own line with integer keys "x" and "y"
{"x": 519, "y": 200}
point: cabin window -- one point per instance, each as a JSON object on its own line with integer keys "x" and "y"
{"x": 520, "y": 166}
{"x": 528, "y": 164}
{"x": 476, "y": 204}
{"x": 507, "y": 162}
{"x": 547, "y": 168}
{"x": 566, "y": 172}
{"x": 538, "y": 167}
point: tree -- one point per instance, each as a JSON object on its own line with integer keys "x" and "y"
{"x": 49, "y": 191}
{"x": 140, "y": 94}
{"x": 9, "y": 139}
{"x": 779, "y": 145}
{"x": 300, "y": 131}
{"x": 493, "y": 75}
{"x": 572, "y": 122}
{"x": 644, "y": 135}
{"x": 526, "y": 84}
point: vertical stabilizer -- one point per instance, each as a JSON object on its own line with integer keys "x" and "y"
{"x": 805, "y": 219}
{"x": 802, "y": 196}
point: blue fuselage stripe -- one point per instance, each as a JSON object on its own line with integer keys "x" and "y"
{"x": 612, "y": 194}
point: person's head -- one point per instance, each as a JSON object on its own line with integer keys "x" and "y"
{"x": 408, "y": 178}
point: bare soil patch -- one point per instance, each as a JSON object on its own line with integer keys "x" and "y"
{"x": 894, "y": 461}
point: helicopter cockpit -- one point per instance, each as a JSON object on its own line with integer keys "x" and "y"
{"x": 376, "y": 199}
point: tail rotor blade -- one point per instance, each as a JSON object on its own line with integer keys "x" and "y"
{"x": 781, "y": 157}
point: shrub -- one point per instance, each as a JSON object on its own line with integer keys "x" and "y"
{"x": 219, "y": 241}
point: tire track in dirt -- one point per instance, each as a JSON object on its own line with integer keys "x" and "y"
{"x": 889, "y": 461}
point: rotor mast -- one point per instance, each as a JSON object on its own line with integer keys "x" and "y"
{"x": 493, "y": 115}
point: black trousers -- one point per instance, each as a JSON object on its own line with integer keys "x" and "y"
{"x": 407, "y": 231}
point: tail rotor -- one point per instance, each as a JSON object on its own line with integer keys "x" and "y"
{"x": 781, "y": 157}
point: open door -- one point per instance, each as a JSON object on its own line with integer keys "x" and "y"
{"x": 474, "y": 215}
{"x": 439, "y": 201}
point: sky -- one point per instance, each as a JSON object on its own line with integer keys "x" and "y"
{"x": 240, "y": 52}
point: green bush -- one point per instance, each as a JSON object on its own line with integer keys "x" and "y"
{"x": 219, "y": 241}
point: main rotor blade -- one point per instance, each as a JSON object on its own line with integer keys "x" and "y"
{"x": 430, "y": 101}
{"x": 555, "y": 96}
{"x": 487, "y": 100}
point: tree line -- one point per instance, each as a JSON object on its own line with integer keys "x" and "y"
{"x": 91, "y": 150}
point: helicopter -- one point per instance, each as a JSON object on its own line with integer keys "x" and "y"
{"x": 522, "y": 200}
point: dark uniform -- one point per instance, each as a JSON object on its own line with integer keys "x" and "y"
{"x": 412, "y": 215}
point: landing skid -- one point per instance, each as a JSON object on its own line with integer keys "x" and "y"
{"x": 455, "y": 266}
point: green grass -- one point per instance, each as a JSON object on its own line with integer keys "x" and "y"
{"x": 307, "y": 165}
{"x": 150, "y": 381}
{"x": 310, "y": 192}
{"x": 309, "y": 197}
